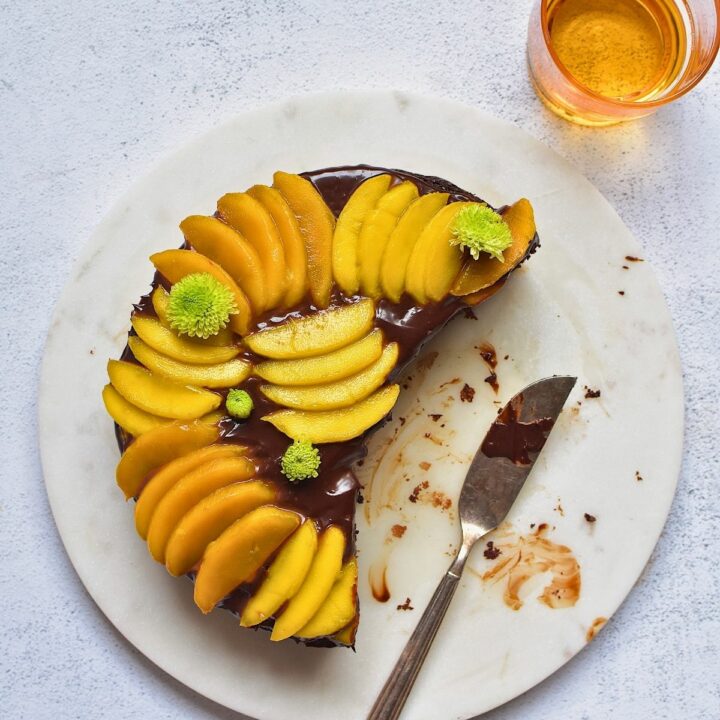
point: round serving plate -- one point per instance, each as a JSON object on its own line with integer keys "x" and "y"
{"x": 583, "y": 527}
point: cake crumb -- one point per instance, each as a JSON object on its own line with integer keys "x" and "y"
{"x": 467, "y": 394}
{"x": 621, "y": 292}
{"x": 625, "y": 267}
{"x": 406, "y": 605}
{"x": 435, "y": 416}
{"x": 590, "y": 394}
{"x": 491, "y": 380}
{"x": 402, "y": 421}
{"x": 360, "y": 498}
{"x": 590, "y": 518}
{"x": 424, "y": 465}
{"x": 559, "y": 508}
{"x": 469, "y": 314}
{"x": 424, "y": 485}
{"x": 638, "y": 476}
{"x": 398, "y": 530}
{"x": 491, "y": 552}
{"x": 632, "y": 258}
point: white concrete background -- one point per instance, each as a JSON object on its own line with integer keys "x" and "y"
{"x": 93, "y": 94}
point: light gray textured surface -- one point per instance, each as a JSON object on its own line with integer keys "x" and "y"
{"x": 93, "y": 94}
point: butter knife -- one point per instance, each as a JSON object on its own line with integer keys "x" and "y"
{"x": 496, "y": 475}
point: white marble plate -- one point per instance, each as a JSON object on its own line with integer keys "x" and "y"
{"x": 561, "y": 313}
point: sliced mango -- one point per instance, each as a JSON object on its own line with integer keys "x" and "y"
{"x": 130, "y": 418}
{"x": 232, "y": 252}
{"x": 339, "y": 607}
{"x": 151, "y": 331}
{"x": 158, "y": 396}
{"x": 335, "y": 425}
{"x": 188, "y": 492}
{"x": 221, "y": 375}
{"x": 433, "y": 247}
{"x": 325, "y": 368}
{"x": 157, "y": 448}
{"x": 250, "y": 218}
{"x": 402, "y": 241}
{"x": 318, "y": 582}
{"x": 376, "y": 231}
{"x": 174, "y": 265}
{"x": 237, "y": 555}
{"x": 340, "y": 394}
{"x": 292, "y": 240}
{"x": 316, "y": 334}
{"x": 482, "y": 273}
{"x": 209, "y": 519}
{"x": 160, "y": 299}
{"x": 317, "y": 225}
{"x": 346, "y": 635}
{"x": 163, "y": 480}
{"x": 284, "y": 577}
{"x": 347, "y": 231}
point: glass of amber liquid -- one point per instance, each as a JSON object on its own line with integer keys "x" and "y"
{"x": 599, "y": 62}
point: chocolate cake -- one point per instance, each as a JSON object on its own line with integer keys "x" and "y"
{"x": 265, "y": 353}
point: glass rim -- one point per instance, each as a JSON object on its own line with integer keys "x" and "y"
{"x": 679, "y": 91}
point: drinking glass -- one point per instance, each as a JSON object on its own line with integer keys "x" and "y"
{"x": 687, "y": 40}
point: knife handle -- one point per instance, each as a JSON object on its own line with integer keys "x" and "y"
{"x": 392, "y": 697}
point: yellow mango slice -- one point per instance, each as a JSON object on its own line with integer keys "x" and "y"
{"x": 317, "y": 225}
{"x": 237, "y": 555}
{"x": 347, "y": 231}
{"x": 402, "y": 241}
{"x": 486, "y": 270}
{"x": 232, "y": 252}
{"x": 151, "y": 331}
{"x": 209, "y": 519}
{"x": 346, "y": 636}
{"x": 160, "y": 298}
{"x": 339, "y": 394}
{"x": 339, "y": 607}
{"x": 157, "y": 448}
{"x": 159, "y": 396}
{"x": 318, "y": 582}
{"x": 434, "y": 246}
{"x": 164, "y": 479}
{"x": 375, "y": 233}
{"x": 335, "y": 425}
{"x": 253, "y": 221}
{"x": 316, "y": 334}
{"x": 444, "y": 261}
{"x": 174, "y": 265}
{"x": 221, "y": 375}
{"x": 284, "y": 577}
{"x": 130, "y": 418}
{"x": 292, "y": 240}
{"x": 325, "y": 368}
{"x": 188, "y": 492}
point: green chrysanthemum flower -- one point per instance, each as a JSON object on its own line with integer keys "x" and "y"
{"x": 239, "y": 404}
{"x": 480, "y": 229}
{"x": 200, "y": 306}
{"x": 300, "y": 461}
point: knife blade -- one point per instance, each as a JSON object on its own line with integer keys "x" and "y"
{"x": 508, "y": 452}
